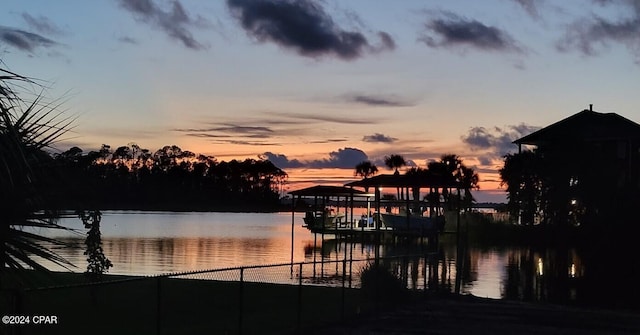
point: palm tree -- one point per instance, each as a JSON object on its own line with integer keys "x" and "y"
{"x": 365, "y": 169}
{"x": 417, "y": 173}
{"x": 521, "y": 174}
{"x": 26, "y": 129}
{"x": 394, "y": 162}
{"x": 452, "y": 166}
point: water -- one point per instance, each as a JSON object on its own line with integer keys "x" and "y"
{"x": 151, "y": 243}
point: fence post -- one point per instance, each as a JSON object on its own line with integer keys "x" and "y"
{"x": 19, "y": 297}
{"x": 240, "y": 301}
{"x": 17, "y": 302}
{"x": 158, "y": 306}
{"x": 299, "y": 323}
{"x": 344, "y": 280}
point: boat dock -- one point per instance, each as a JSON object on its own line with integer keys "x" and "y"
{"x": 332, "y": 209}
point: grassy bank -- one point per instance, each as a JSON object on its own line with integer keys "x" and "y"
{"x": 138, "y": 305}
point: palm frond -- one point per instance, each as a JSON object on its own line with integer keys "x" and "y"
{"x": 26, "y": 128}
{"x": 23, "y": 246}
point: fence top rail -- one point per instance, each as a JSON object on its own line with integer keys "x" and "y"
{"x": 195, "y": 272}
{"x": 261, "y": 266}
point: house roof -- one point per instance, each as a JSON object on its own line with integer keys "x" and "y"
{"x": 586, "y": 125}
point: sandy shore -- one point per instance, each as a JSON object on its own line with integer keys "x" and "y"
{"x": 472, "y": 315}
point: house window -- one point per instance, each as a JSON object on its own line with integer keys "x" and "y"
{"x": 573, "y": 181}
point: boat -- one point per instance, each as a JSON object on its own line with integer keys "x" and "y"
{"x": 319, "y": 221}
{"x": 413, "y": 224}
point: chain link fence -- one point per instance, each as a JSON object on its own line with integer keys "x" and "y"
{"x": 266, "y": 299}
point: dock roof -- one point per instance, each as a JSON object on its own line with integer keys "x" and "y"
{"x": 330, "y": 191}
{"x": 397, "y": 180}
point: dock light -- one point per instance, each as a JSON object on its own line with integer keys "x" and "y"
{"x": 540, "y": 267}
{"x": 574, "y": 201}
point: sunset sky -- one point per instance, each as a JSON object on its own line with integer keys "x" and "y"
{"x": 318, "y": 86}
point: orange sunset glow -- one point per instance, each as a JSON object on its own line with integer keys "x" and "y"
{"x": 421, "y": 79}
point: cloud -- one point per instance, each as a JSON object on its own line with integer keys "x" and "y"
{"x": 175, "y": 22}
{"x": 128, "y": 40}
{"x": 495, "y": 142}
{"x": 251, "y": 143}
{"x": 230, "y": 139}
{"x": 329, "y": 140}
{"x": 344, "y": 158}
{"x": 450, "y": 30}
{"x": 387, "y": 41}
{"x": 325, "y": 118}
{"x": 42, "y": 25}
{"x": 230, "y": 128}
{"x": 379, "y": 138}
{"x": 232, "y": 134}
{"x": 530, "y": 6}
{"x": 304, "y": 27}
{"x": 479, "y": 138}
{"x": 23, "y": 40}
{"x": 202, "y": 135}
{"x": 281, "y": 161}
{"x": 375, "y": 100}
{"x": 243, "y": 129}
{"x": 586, "y": 35}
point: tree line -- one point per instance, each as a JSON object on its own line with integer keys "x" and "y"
{"x": 131, "y": 177}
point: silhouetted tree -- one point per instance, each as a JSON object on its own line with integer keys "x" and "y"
{"x": 452, "y": 166}
{"x": 417, "y": 173}
{"x": 130, "y": 177}
{"x": 365, "y": 169}
{"x": 522, "y": 175}
{"x": 394, "y": 162}
{"x": 98, "y": 263}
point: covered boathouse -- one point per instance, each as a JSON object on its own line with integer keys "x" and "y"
{"x": 332, "y": 209}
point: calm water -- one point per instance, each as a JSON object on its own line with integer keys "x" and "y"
{"x": 149, "y": 243}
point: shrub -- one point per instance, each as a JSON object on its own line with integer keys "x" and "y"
{"x": 381, "y": 285}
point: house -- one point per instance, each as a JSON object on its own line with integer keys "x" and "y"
{"x": 590, "y": 167}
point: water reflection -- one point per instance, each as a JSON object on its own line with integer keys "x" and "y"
{"x": 148, "y": 256}
{"x": 549, "y": 274}
{"x": 417, "y": 264}
{"x": 144, "y": 243}
{"x": 517, "y": 273}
